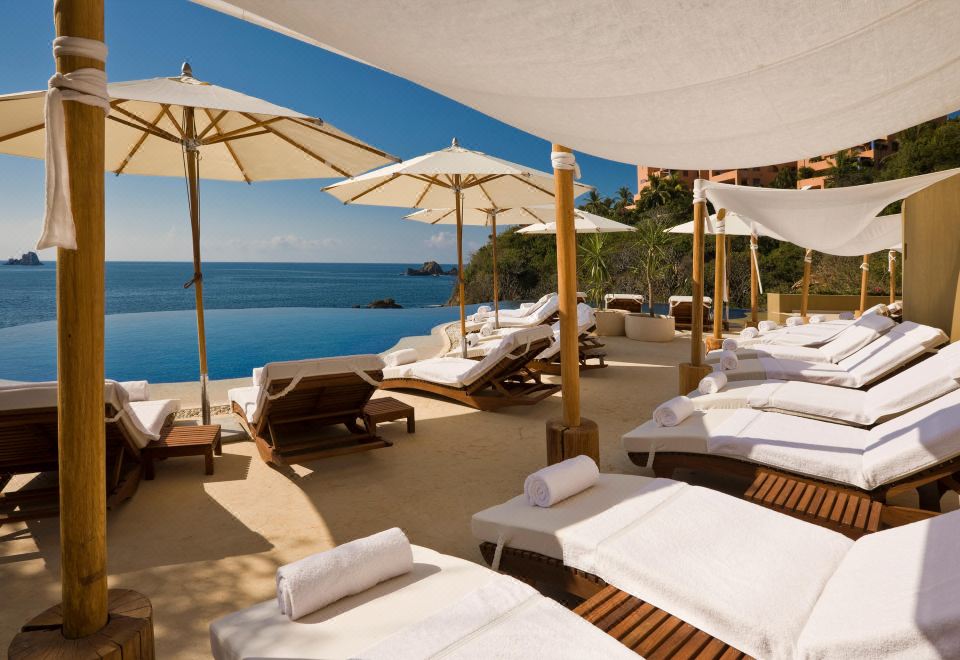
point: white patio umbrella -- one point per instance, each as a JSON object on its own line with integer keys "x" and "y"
{"x": 487, "y": 217}
{"x": 182, "y": 126}
{"x": 584, "y": 223}
{"x": 469, "y": 179}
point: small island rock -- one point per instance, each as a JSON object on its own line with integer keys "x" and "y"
{"x": 27, "y": 259}
{"x": 386, "y": 303}
{"x": 430, "y": 268}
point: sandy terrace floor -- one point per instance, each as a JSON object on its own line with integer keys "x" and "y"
{"x": 202, "y": 546}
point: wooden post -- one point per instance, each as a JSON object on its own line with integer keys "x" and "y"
{"x": 892, "y": 267}
{"x": 864, "y": 281}
{"x": 719, "y": 283}
{"x": 80, "y": 310}
{"x": 193, "y": 185}
{"x": 458, "y": 202}
{"x": 496, "y": 276}
{"x": 691, "y": 372}
{"x": 754, "y": 282}
{"x": 571, "y": 435}
{"x": 805, "y": 284}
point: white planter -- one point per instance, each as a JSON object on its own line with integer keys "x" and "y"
{"x": 644, "y": 327}
{"x": 610, "y": 322}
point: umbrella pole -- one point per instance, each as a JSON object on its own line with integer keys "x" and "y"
{"x": 864, "y": 277}
{"x": 193, "y": 185}
{"x": 572, "y": 435}
{"x": 496, "y": 284}
{"x": 892, "y": 267}
{"x": 463, "y": 317}
{"x": 805, "y": 286}
{"x": 691, "y": 372}
{"x": 754, "y": 283}
{"x": 718, "y": 282}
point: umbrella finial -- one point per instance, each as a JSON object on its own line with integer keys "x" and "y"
{"x": 185, "y": 70}
{"x": 454, "y": 143}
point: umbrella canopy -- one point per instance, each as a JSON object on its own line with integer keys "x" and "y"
{"x": 735, "y": 225}
{"x": 161, "y": 126}
{"x": 469, "y": 179}
{"x": 241, "y": 138}
{"x": 584, "y": 223}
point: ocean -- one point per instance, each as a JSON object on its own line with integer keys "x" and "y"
{"x": 255, "y": 313}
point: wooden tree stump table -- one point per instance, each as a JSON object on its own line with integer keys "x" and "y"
{"x": 128, "y": 634}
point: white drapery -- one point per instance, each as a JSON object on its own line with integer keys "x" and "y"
{"x": 680, "y": 84}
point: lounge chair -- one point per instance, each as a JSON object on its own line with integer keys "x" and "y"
{"x": 628, "y": 302}
{"x": 502, "y": 378}
{"x": 922, "y": 382}
{"x": 486, "y": 313}
{"x": 718, "y": 567}
{"x": 28, "y": 442}
{"x": 443, "y": 603}
{"x": 848, "y": 341}
{"x": 919, "y": 447}
{"x": 681, "y": 309}
{"x": 289, "y": 409}
{"x": 890, "y": 352}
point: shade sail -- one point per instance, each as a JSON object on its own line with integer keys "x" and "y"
{"x": 841, "y": 221}
{"x": 681, "y": 84}
{"x": 735, "y": 226}
{"x": 427, "y": 181}
{"x": 584, "y": 223}
{"x": 241, "y": 138}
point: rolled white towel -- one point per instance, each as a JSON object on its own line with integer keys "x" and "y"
{"x": 403, "y": 356}
{"x": 473, "y": 338}
{"x": 729, "y": 344}
{"x": 483, "y": 309}
{"x": 526, "y": 305}
{"x": 674, "y": 411}
{"x": 314, "y": 582}
{"x": 557, "y": 482}
{"x": 728, "y": 360}
{"x": 816, "y": 318}
{"x": 794, "y": 320}
{"x": 137, "y": 390}
{"x": 749, "y": 333}
{"x": 846, "y": 316}
{"x": 712, "y": 383}
{"x": 767, "y": 326}
{"x": 487, "y": 329}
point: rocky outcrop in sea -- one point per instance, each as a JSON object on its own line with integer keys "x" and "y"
{"x": 430, "y": 268}
{"x": 26, "y": 259}
{"x": 385, "y": 303}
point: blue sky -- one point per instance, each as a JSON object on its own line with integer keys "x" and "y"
{"x": 289, "y": 221}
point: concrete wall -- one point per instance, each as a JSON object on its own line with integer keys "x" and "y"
{"x": 931, "y": 260}
{"x": 780, "y": 305}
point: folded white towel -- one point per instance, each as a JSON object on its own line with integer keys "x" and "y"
{"x": 484, "y": 309}
{"x": 749, "y": 333}
{"x": 729, "y": 344}
{"x": 137, "y": 390}
{"x": 767, "y": 326}
{"x": 846, "y": 316}
{"x": 728, "y": 360}
{"x": 314, "y": 582}
{"x": 487, "y": 329}
{"x": 557, "y": 482}
{"x": 712, "y": 383}
{"x": 674, "y": 411}
{"x": 794, "y": 320}
{"x": 526, "y": 305}
{"x": 816, "y": 318}
{"x": 403, "y": 356}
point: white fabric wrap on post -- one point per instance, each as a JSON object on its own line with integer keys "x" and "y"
{"x": 891, "y": 260}
{"x": 564, "y": 160}
{"x": 87, "y": 86}
{"x": 755, "y": 258}
{"x": 865, "y": 266}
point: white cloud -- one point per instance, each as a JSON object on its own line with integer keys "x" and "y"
{"x": 293, "y": 242}
{"x": 441, "y": 239}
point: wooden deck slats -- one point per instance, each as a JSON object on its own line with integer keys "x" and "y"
{"x": 846, "y": 511}
{"x": 648, "y": 630}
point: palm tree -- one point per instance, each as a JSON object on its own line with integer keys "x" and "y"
{"x": 661, "y": 190}
{"x": 594, "y": 267}
{"x": 623, "y": 201}
{"x": 847, "y": 171}
{"x": 597, "y": 205}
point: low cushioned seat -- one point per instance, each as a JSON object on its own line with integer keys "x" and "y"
{"x": 689, "y": 436}
{"x": 810, "y": 334}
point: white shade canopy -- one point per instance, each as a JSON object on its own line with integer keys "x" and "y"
{"x": 427, "y": 181}
{"x": 734, "y": 226}
{"x": 681, "y": 84}
{"x": 840, "y": 221}
{"x": 477, "y": 217}
{"x": 584, "y": 223}
{"x": 241, "y": 138}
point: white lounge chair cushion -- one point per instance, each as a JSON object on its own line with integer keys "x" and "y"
{"x": 350, "y": 625}
{"x": 536, "y": 316}
{"x": 443, "y": 371}
{"x": 586, "y": 319}
{"x": 894, "y": 596}
{"x": 674, "y": 300}
{"x": 689, "y": 436}
{"x": 152, "y": 415}
{"x": 247, "y": 399}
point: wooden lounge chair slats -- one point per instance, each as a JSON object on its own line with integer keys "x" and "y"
{"x": 648, "y": 630}
{"x": 845, "y": 509}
